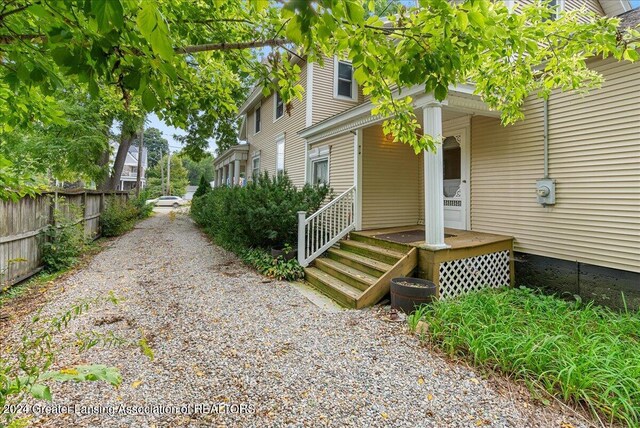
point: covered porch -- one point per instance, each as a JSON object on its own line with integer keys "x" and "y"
{"x": 231, "y": 166}
{"x": 416, "y": 205}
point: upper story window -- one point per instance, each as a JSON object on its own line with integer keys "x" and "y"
{"x": 279, "y": 106}
{"x": 344, "y": 84}
{"x": 258, "y": 120}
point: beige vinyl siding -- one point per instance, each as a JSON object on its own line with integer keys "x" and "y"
{"x": 591, "y": 5}
{"x": 390, "y": 182}
{"x": 594, "y": 154}
{"x": 265, "y": 140}
{"x": 325, "y": 104}
{"x": 340, "y": 162}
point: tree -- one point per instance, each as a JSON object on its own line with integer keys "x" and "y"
{"x": 202, "y": 168}
{"x": 204, "y": 187}
{"x": 69, "y": 150}
{"x": 157, "y": 146}
{"x": 178, "y": 180}
{"x": 185, "y": 61}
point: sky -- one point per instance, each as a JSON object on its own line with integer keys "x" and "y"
{"x": 635, "y": 3}
{"x": 167, "y": 131}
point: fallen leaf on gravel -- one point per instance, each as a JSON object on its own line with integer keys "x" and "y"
{"x": 199, "y": 373}
{"x": 421, "y": 380}
{"x": 481, "y": 422}
{"x": 474, "y": 380}
{"x": 136, "y": 384}
{"x": 429, "y": 397}
{"x": 384, "y": 415}
{"x": 566, "y": 425}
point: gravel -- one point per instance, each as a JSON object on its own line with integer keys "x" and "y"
{"x": 258, "y": 352}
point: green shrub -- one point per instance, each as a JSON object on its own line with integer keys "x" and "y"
{"x": 140, "y": 203}
{"x": 203, "y": 187}
{"x": 278, "y": 268}
{"x": 64, "y": 240}
{"x": 263, "y": 214}
{"x": 118, "y": 217}
{"x": 584, "y": 354}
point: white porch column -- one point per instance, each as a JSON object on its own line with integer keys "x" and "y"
{"x": 433, "y": 180}
{"x": 236, "y": 172}
{"x": 225, "y": 174}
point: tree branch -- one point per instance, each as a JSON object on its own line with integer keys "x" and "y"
{"x": 224, "y": 46}
{"x": 16, "y": 10}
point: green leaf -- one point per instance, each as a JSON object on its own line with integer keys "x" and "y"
{"x": 477, "y": 18}
{"x": 440, "y": 92}
{"x": 41, "y": 392}
{"x": 108, "y": 14}
{"x": 463, "y": 20}
{"x": 149, "y": 100}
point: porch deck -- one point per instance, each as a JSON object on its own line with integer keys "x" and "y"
{"x": 474, "y": 260}
{"x": 456, "y": 239}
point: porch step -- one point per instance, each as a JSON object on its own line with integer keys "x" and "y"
{"x": 348, "y": 274}
{"x": 384, "y": 255}
{"x": 358, "y": 274}
{"x": 340, "y": 291}
{"x": 371, "y": 266}
{"x": 395, "y": 246}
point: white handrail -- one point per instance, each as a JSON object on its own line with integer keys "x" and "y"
{"x": 322, "y": 229}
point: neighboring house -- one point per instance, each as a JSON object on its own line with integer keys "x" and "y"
{"x": 553, "y": 199}
{"x": 129, "y": 176}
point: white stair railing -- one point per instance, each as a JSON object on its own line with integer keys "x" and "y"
{"x": 318, "y": 232}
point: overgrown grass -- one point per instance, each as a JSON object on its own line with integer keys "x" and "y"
{"x": 580, "y": 353}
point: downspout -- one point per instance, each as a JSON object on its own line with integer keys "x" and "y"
{"x": 545, "y": 113}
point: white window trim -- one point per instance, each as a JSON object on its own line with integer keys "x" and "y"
{"x": 319, "y": 154}
{"x": 255, "y": 118}
{"x": 275, "y": 108}
{"x": 280, "y": 139}
{"x": 354, "y": 84}
{"x": 255, "y": 156}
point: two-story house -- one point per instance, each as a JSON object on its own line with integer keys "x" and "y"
{"x": 553, "y": 200}
{"x": 129, "y": 176}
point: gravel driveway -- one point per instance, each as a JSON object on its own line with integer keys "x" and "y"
{"x": 258, "y": 351}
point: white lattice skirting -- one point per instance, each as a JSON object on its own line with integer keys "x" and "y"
{"x": 461, "y": 276}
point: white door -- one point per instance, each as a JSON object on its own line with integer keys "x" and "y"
{"x": 456, "y": 177}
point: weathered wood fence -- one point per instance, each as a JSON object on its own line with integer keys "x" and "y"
{"x": 22, "y": 226}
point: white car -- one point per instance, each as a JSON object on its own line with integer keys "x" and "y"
{"x": 168, "y": 201}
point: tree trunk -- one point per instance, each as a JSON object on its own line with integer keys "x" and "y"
{"x": 112, "y": 182}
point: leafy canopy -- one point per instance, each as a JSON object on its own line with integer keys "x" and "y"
{"x": 187, "y": 60}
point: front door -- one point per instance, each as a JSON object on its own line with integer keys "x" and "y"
{"x": 455, "y": 189}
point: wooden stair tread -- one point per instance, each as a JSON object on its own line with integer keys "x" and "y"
{"x": 333, "y": 282}
{"x": 354, "y": 273}
{"x": 372, "y": 263}
{"x": 374, "y": 249}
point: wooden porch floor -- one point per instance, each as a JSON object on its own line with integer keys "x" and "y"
{"x": 457, "y": 239}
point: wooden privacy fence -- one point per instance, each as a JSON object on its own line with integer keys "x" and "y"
{"x": 22, "y": 226}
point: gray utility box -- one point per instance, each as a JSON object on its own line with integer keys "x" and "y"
{"x": 546, "y": 191}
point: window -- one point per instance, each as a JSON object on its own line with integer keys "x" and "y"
{"x": 280, "y": 154}
{"x": 319, "y": 165}
{"x": 255, "y": 166}
{"x": 279, "y": 107}
{"x": 345, "y": 86}
{"x": 258, "y": 119}
{"x": 320, "y": 171}
{"x": 558, "y": 6}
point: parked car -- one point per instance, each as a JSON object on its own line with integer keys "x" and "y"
{"x": 168, "y": 201}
